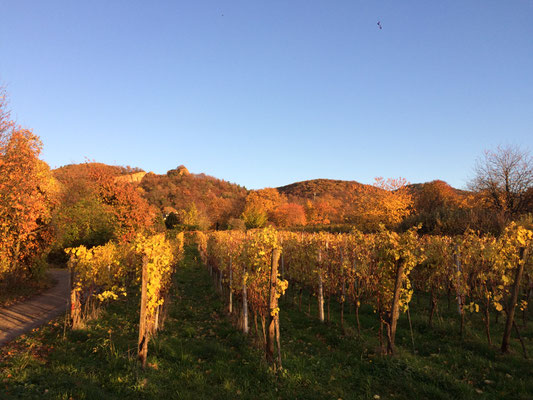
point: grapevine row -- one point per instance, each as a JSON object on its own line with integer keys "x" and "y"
{"x": 105, "y": 273}
{"x": 383, "y": 270}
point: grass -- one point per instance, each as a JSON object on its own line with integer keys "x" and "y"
{"x": 200, "y": 355}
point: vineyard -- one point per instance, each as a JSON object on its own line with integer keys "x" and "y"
{"x": 252, "y": 270}
{"x": 321, "y": 316}
{"x": 486, "y": 275}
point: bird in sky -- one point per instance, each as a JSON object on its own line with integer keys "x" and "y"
{"x": 379, "y": 24}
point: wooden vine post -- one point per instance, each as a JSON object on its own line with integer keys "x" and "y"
{"x": 356, "y": 298}
{"x": 219, "y": 280}
{"x": 320, "y": 289}
{"x": 75, "y": 303}
{"x": 273, "y": 310}
{"x": 142, "y": 347}
{"x": 512, "y": 302}
{"x": 395, "y": 307}
{"x": 245, "y": 327}
{"x": 460, "y": 297}
{"x": 230, "y": 284}
{"x": 343, "y": 289}
{"x": 282, "y": 274}
{"x": 163, "y": 314}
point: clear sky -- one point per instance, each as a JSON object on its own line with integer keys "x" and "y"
{"x": 266, "y": 93}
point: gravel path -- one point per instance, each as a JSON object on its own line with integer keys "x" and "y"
{"x": 23, "y": 317}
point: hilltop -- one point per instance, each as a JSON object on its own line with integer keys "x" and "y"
{"x": 320, "y": 187}
{"x": 213, "y": 201}
{"x": 79, "y": 171}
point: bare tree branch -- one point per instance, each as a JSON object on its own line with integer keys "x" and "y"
{"x": 505, "y": 178}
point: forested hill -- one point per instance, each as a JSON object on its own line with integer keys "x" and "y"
{"x": 202, "y": 201}
{"x": 81, "y": 171}
{"x": 313, "y": 188}
{"x": 319, "y": 187}
{"x": 208, "y": 200}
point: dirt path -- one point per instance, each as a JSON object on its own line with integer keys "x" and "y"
{"x": 23, "y": 317}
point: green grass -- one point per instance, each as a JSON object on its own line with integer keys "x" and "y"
{"x": 200, "y": 355}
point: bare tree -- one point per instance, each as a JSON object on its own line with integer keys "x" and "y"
{"x": 5, "y": 122}
{"x": 504, "y": 178}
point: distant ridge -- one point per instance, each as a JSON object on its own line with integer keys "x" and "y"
{"x": 305, "y": 189}
{"x": 78, "y": 171}
{"x": 320, "y": 187}
{"x": 218, "y": 201}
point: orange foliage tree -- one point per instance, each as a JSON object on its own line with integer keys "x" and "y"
{"x": 81, "y": 218}
{"x": 27, "y": 194}
{"x": 436, "y": 195}
{"x": 387, "y": 202}
{"x": 97, "y": 206}
{"x": 259, "y": 206}
{"x": 288, "y": 214}
{"x": 132, "y": 212}
{"x": 323, "y": 210}
{"x": 439, "y": 208}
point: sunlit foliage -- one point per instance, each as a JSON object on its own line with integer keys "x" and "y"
{"x": 27, "y": 196}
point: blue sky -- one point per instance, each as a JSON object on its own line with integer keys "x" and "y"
{"x": 266, "y": 93}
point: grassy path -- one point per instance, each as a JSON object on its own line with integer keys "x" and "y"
{"x": 200, "y": 355}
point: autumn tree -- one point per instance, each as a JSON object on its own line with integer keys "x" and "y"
{"x": 81, "y": 218}
{"x": 131, "y": 210}
{"x": 86, "y": 221}
{"x": 439, "y": 208}
{"x": 96, "y": 206}
{"x": 504, "y": 179}
{"x": 436, "y": 195}
{"x": 288, "y": 214}
{"x": 254, "y": 217}
{"x": 323, "y": 210}
{"x": 27, "y": 195}
{"x": 259, "y": 206}
{"x": 187, "y": 219}
{"x": 387, "y": 202}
